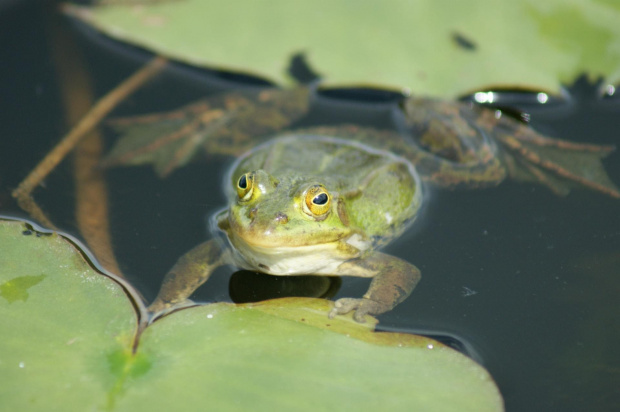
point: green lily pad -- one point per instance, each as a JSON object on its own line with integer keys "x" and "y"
{"x": 59, "y": 322}
{"x": 68, "y": 343}
{"x": 243, "y": 356}
{"x": 437, "y": 47}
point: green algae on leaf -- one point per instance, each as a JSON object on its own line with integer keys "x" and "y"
{"x": 419, "y": 45}
{"x": 17, "y": 288}
{"x": 125, "y": 367}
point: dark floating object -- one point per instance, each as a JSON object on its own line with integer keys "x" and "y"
{"x": 463, "y": 42}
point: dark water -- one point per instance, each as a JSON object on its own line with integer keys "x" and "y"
{"x": 524, "y": 281}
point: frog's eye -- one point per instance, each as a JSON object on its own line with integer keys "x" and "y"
{"x": 245, "y": 186}
{"x": 317, "y": 201}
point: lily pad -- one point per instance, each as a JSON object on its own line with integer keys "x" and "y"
{"x": 239, "y": 357}
{"x": 435, "y": 47}
{"x": 68, "y": 343}
{"x": 60, "y": 322}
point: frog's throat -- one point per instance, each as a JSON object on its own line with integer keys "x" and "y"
{"x": 319, "y": 259}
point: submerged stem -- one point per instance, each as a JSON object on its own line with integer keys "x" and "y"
{"x": 107, "y": 103}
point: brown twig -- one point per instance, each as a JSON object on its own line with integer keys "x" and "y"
{"x": 23, "y": 193}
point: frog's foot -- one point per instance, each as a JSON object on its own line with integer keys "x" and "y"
{"x": 362, "y": 307}
{"x": 159, "y": 308}
{"x": 227, "y": 123}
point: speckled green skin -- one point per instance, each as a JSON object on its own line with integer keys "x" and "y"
{"x": 374, "y": 197}
{"x": 367, "y": 185}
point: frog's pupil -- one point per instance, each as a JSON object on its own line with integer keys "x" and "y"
{"x": 243, "y": 182}
{"x": 320, "y": 199}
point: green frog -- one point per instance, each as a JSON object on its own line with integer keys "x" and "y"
{"x": 324, "y": 200}
{"x": 312, "y": 204}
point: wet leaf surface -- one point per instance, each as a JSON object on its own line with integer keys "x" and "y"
{"x": 440, "y": 48}
{"x": 54, "y": 342}
{"x": 69, "y": 346}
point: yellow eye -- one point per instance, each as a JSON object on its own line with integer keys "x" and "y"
{"x": 317, "y": 201}
{"x": 245, "y": 186}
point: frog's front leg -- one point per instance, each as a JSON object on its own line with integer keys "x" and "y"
{"x": 393, "y": 281}
{"x": 188, "y": 274}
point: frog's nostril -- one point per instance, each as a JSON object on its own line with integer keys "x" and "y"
{"x": 281, "y": 218}
{"x": 252, "y": 213}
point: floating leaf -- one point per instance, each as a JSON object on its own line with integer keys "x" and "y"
{"x": 435, "y": 47}
{"x": 286, "y": 354}
{"x": 70, "y": 346}
{"x": 55, "y": 343}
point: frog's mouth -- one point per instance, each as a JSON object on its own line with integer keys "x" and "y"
{"x": 267, "y": 239}
{"x": 270, "y": 235}
{"x": 281, "y": 259}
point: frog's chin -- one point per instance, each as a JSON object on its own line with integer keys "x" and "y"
{"x": 318, "y": 259}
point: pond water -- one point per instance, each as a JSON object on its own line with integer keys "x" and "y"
{"x": 524, "y": 281}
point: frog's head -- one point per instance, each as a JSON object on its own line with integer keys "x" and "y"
{"x": 286, "y": 211}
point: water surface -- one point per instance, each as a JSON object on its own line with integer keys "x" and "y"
{"x": 523, "y": 280}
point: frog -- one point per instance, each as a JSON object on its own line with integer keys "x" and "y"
{"x": 325, "y": 200}
{"x": 312, "y": 204}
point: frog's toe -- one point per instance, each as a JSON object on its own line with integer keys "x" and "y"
{"x": 362, "y": 308}
{"x": 344, "y": 306}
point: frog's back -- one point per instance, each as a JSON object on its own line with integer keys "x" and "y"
{"x": 381, "y": 191}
